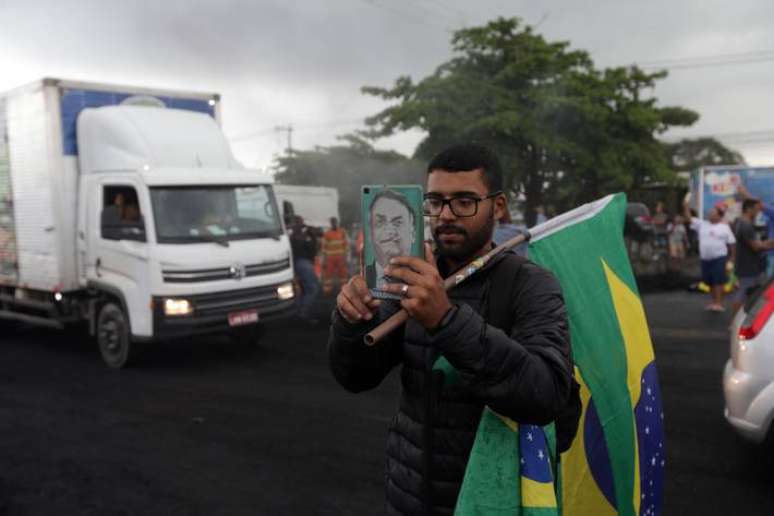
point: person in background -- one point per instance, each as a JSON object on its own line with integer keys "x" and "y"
{"x": 303, "y": 242}
{"x": 335, "y": 247}
{"x": 716, "y": 245}
{"x": 768, "y": 213}
{"x": 505, "y": 230}
{"x": 660, "y": 219}
{"x": 678, "y": 241}
{"x": 750, "y": 252}
{"x": 540, "y": 214}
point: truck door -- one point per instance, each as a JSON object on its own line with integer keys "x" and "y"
{"x": 118, "y": 254}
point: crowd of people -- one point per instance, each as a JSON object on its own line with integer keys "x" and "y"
{"x": 734, "y": 255}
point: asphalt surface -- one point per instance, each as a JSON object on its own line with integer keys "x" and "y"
{"x": 206, "y": 427}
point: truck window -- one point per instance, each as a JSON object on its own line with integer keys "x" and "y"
{"x": 121, "y": 217}
{"x": 188, "y": 214}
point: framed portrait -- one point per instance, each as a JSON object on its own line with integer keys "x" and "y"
{"x": 393, "y": 225}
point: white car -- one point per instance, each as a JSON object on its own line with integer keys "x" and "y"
{"x": 748, "y": 379}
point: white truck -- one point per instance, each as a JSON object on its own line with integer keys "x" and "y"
{"x": 123, "y": 208}
{"x": 316, "y": 204}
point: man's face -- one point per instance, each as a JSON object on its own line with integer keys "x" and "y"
{"x": 392, "y": 229}
{"x": 460, "y": 238}
{"x": 714, "y": 215}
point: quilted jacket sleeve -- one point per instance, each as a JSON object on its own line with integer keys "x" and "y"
{"x": 358, "y": 367}
{"x": 526, "y": 374}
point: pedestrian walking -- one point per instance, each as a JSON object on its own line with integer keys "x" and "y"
{"x": 716, "y": 250}
{"x": 750, "y": 264}
{"x": 303, "y": 242}
{"x": 335, "y": 247}
{"x": 504, "y": 330}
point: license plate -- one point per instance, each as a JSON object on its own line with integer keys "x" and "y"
{"x": 242, "y": 318}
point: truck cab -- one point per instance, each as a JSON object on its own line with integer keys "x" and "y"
{"x": 174, "y": 235}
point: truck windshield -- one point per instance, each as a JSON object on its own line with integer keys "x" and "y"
{"x": 214, "y": 213}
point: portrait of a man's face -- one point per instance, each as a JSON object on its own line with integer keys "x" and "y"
{"x": 392, "y": 228}
{"x": 393, "y": 221}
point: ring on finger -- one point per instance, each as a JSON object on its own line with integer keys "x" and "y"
{"x": 404, "y": 291}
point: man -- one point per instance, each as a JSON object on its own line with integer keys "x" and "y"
{"x": 540, "y": 214}
{"x": 303, "y": 242}
{"x": 335, "y": 247}
{"x": 393, "y": 230}
{"x": 520, "y": 367}
{"x": 768, "y": 212}
{"x": 750, "y": 258}
{"x": 716, "y": 250}
{"x": 506, "y": 230}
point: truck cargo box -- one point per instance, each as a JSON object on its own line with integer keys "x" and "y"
{"x": 39, "y": 169}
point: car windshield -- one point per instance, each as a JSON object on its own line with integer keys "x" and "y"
{"x": 214, "y": 213}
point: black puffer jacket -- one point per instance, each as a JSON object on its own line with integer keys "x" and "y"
{"x": 525, "y": 374}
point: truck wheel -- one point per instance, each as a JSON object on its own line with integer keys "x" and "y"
{"x": 114, "y": 336}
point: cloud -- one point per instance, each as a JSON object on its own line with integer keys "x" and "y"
{"x": 300, "y": 62}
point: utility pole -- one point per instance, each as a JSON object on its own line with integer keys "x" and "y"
{"x": 289, "y": 129}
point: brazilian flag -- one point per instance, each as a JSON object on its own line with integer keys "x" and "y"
{"x": 616, "y": 463}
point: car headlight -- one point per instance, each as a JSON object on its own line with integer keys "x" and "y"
{"x": 177, "y": 307}
{"x": 285, "y": 291}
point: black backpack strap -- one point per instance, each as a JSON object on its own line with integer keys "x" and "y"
{"x": 499, "y": 313}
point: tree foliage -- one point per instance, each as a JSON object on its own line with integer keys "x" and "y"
{"x": 565, "y": 131}
{"x": 348, "y": 167}
{"x": 691, "y": 154}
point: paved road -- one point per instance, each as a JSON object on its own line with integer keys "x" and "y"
{"x": 205, "y": 428}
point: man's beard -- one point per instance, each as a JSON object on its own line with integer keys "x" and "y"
{"x": 470, "y": 243}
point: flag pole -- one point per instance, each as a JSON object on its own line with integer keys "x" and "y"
{"x": 400, "y": 317}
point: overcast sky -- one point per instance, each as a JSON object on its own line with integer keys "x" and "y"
{"x": 280, "y": 62}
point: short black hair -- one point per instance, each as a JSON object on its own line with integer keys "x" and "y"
{"x": 749, "y": 203}
{"x": 465, "y": 157}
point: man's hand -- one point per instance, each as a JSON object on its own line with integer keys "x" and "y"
{"x": 426, "y": 299}
{"x": 355, "y": 303}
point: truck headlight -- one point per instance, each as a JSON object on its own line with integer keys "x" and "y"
{"x": 177, "y": 307}
{"x": 285, "y": 291}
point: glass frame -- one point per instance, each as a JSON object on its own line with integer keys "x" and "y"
{"x": 448, "y": 202}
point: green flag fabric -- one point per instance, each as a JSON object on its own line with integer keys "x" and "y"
{"x": 616, "y": 463}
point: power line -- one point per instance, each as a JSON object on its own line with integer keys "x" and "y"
{"x": 709, "y": 61}
{"x": 760, "y": 135}
{"x": 447, "y": 7}
{"x": 402, "y": 14}
{"x": 268, "y": 131}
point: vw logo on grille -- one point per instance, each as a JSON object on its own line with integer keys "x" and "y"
{"x": 237, "y": 271}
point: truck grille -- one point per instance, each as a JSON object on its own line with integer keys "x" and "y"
{"x": 224, "y": 273}
{"x": 222, "y": 303}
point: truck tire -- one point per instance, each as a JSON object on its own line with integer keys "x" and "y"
{"x": 114, "y": 337}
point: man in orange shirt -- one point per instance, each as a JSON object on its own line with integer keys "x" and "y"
{"x": 334, "y": 252}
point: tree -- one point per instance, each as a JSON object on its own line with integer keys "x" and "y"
{"x": 565, "y": 131}
{"x": 691, "y": 154}
{"x": 348, "y": 167}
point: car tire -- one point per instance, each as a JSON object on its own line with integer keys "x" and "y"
{"x": 114, "y": 337}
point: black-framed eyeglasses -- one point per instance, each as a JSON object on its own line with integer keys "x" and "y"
{"x": 460, "y": 205}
